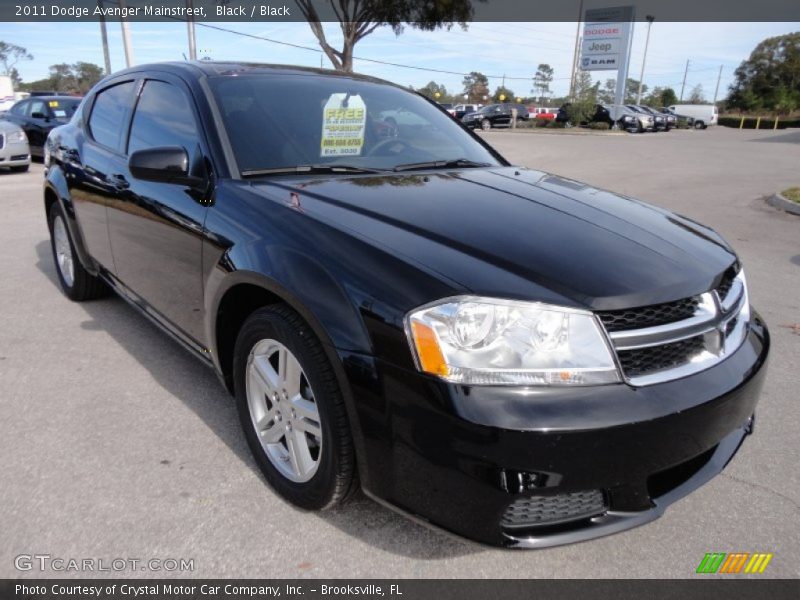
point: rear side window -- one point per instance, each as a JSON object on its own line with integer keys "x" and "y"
{"x": 20, "y": 109}
{"x": 107, "y": 119}
{"x": 163, "y": 117}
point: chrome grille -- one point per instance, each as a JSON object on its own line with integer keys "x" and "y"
{"x": 550, "y": 510}
{"x": 667, "y": 348}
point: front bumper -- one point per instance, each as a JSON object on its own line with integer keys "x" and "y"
{"x": 15, "y": 154}
{"x": 459, "y": 457}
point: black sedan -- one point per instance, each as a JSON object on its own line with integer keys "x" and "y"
{"x": 494, "y": 115}
{"x": 39, "y": 115}
{"x": 515, "y": 357}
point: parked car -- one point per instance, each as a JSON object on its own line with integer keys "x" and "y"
{"x": 702, "y": 115}
{"x": 6, "y": 93}
{"x": 541, "y": 112}
{"x": 515, "y": 357}
{"x": 670, "y": 120}
{"x": 659, "y": 120}
{"x": 459, "y": 110}
{"x": 14, "y": 151}
{"x": 494, "y": 115}
{"x": 624, "y": 118}
{"x": 39, "y": 115}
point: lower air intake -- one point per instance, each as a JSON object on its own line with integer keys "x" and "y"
{"x": 552, "y": 510}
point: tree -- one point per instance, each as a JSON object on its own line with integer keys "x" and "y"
{"x": 770, "y": 77}
{"x": 476, "y": 87}
{"x": 660, "y": 97}
{"x": 10, "y": 55}
{"x": 76, "y": 79}
{"x": 507, "y": 94}
{"x": 605, "y": 94}
{"x": 581, "y": 108}
{"x": 632, "y": 90}
{"x": 696, "y": 95}
{"x": 432, "y": 88}
{"x": 542, "y": 80}
{"x": 358, "y": 18}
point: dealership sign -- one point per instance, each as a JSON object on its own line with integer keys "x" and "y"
{"x": 606, "y": 38}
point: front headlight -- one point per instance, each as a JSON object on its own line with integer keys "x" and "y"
{"x": 16, "y": 137}
{"x": 487, "y": 341}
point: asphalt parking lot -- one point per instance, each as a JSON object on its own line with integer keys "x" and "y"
{"x": 116, "y": 443}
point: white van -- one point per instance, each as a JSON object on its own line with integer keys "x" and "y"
{"x": 7, "y": 98}
{"x": 702, "y": 115}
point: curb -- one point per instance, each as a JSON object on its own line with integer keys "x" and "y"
{"x": 544, "y": 131}
{"x": 778, "y": 201}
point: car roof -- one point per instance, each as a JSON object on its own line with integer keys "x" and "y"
{"x": 56, "y": 98}
{"x": 211, "y": 68}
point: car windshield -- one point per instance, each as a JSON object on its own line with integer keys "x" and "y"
{"x": 276, "y": 122}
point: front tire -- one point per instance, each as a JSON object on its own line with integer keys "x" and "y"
{"x": 486, "y": 124}
{"x": 76, "y": 282}
{"x": 292, "y": 410}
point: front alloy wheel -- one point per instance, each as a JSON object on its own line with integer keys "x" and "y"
{"x": 292, "y": 409}
{"x": 283, "y": 410}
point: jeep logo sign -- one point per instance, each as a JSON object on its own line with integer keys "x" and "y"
{"x": 593, "y": 47}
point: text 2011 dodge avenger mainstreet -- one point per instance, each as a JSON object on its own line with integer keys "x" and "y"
{"x": 515, "y": 357}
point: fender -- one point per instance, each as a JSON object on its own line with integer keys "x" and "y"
{"x": 56, "y": 183}
{"x": 215, "y": 292}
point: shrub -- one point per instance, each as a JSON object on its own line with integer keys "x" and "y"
{"x": 599, "y": 125}
{"x": 541, "y": 122}
{"x": 556, "y": 124}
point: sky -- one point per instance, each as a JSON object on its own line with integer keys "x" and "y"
{"x": 495, "y": 49}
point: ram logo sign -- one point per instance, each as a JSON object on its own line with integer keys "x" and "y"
{"x": 737, "y": 562}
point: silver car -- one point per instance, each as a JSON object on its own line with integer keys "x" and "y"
{"x": 14, "y": 150}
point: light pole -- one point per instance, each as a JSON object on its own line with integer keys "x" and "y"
{"x": 650, "y": 19}
{"x": 575, "y": 52}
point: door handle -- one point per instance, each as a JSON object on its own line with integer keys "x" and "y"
{"x": 119, "y": 183}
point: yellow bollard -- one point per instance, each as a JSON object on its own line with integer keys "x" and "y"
{"x": 741, "y": 123}
{"x": 758, "y": 122}
{"x": 774, "y": 127}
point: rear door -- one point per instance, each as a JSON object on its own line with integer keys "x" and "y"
{"x": 104, "y": 118}
{"x": 156, "y": 228}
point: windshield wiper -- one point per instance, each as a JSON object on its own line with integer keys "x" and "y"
{"x": 310, "y": 170}
{"x": 441, "y": 164}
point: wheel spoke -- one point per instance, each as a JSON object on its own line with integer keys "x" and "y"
{"x": 290, "y": 372}
{"x": 274, "y": 434}
{"x": 262, "y": 368}
{"x": 299, "y": 453}
{"x": 309, "y": 427}
{"x": 305, "y": 408}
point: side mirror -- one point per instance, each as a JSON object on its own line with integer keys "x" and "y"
{"x": 165, "y": 164}
{"x": 39, "y": 115}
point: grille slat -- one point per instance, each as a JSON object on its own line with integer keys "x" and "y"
{"x": 657, "y": 358}
{"x": 649, "y": 316}
{"x": 550, "y": 510}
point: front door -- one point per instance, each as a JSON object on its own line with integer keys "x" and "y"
{"x": 156, "y": 228}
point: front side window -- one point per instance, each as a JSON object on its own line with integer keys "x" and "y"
{"x": 283, "y": 120}
{"x": 38, "y": 108}
{"x": 163, "y": 117}
{"x": 110, "y": 107}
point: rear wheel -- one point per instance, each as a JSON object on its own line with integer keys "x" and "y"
{"x": 76, "y": 282}
{"x": 699, "y": 125}
{"x": 292, "y": 411}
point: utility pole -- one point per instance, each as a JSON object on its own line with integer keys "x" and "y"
{"x": 575, "y": 53}
{"x": 716, "y": 89}
{"x": 104, "y": 37}
{"x": 126, "y": 37}
{"x": 650, "y": 19}
{"x": 191, "y": 30}
{"x": 683, "y": 85}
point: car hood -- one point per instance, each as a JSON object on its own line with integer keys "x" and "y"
{"x": 521, "y": 233}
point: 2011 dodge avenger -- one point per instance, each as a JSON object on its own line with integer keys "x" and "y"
{"x": 515, "y": 357}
